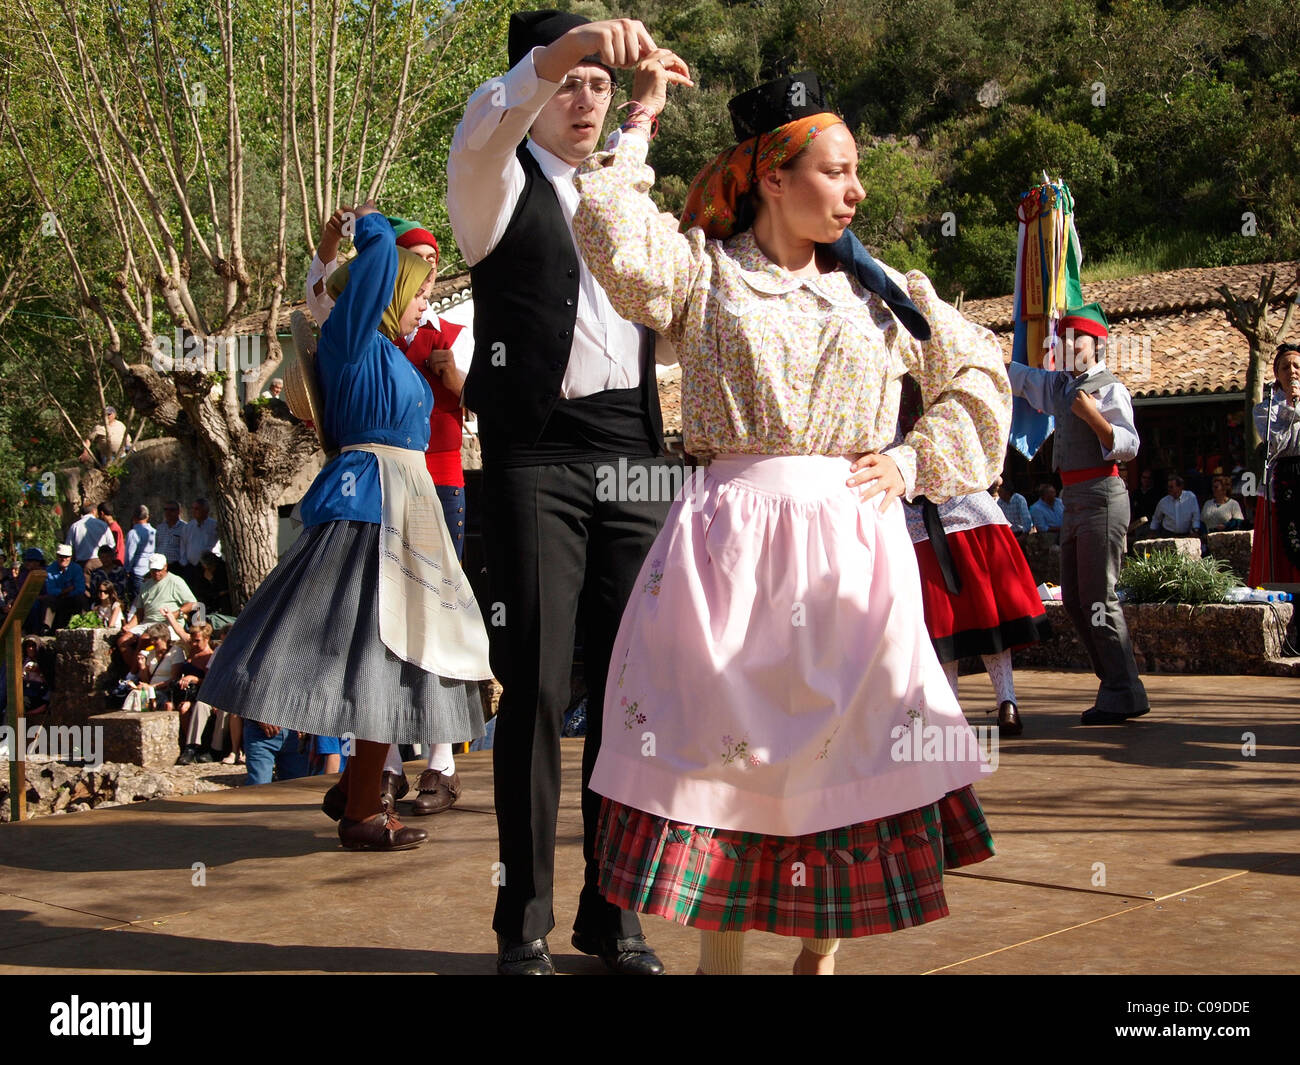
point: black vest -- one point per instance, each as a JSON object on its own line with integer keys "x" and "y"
{"x": 525, "y": 305}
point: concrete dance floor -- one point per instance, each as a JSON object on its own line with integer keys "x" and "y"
{"x": 1156, "y": 846}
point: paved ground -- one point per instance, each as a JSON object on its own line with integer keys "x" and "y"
{"x": 1198, "y": 843}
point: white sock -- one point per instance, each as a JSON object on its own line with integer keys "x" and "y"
{"x": 950, "y": 671}
{"x": 393, "y": 760}
{"x": 821, "y": 946}
{"x": 440, "y": 758}
{"x": 1002, "y": 675}
{"x": 722, "y": 953}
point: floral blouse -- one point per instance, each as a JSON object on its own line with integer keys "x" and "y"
{"x": 775, "y": 364}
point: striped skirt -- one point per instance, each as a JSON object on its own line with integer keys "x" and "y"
{"x": 865, "y": 879}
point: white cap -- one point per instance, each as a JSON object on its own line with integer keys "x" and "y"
{"x": 157, "y": 561}
{"x": 64, "y": 551}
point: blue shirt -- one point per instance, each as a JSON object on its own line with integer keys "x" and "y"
{"x": 140, "y": 544}
{"x": 1047, "y": 518}
{"x": 56, "y": 579}
{"x": 371, "y": 392}
{"x": 1016, "y": 511}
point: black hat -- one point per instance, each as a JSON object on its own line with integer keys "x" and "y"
{"x": 537, "y": 29}
{"x": 775, "y": 103}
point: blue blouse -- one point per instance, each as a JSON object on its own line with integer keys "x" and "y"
{"x": 372, "y": 393}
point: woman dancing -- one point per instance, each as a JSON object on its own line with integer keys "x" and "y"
{"x": 367, "y": 628}
{"x": 1275, "y": 549}
{"x": 770, "y": 670}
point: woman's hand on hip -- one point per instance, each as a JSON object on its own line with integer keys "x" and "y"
{"x": 880, "y": 474}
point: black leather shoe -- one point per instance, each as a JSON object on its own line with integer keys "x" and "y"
{"x": 515, "y": 958}
{"x": 1093, "y": 716}
{"x": 1009, "y": 719}
{"x": 629, "y": 957}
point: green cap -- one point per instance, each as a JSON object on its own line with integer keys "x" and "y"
{"x": 1089, "y": 319}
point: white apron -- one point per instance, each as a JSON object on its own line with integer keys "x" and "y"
{"x": 428, "y": 615}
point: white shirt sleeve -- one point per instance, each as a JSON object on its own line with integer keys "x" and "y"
{"x": 484, "y": 179}
{"x": 1116, "y": 406}
{"x": 319, "y": 303}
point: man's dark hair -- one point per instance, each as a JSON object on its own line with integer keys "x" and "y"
{"x": 1173, "y": 478}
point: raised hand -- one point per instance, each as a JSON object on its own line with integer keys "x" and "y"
{"x": 654, "y": 74}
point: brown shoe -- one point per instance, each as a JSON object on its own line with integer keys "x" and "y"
{"x": 437, "y": 792}
{"x": 1009, "y": 719}
{"x": 392, "y": 788}
{"x": 383, "y": 832}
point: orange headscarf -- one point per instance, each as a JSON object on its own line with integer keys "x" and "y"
{"x": 711, "y": 203}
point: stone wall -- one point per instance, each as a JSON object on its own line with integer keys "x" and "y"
{"x": 82, "y": 658}
{"x": 1043, "y": 554}
{"x": 1233, "y": 548}
{"x": 1179, "y": 638}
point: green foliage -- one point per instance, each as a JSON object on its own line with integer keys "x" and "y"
{"x": 88, "y": 620}
{"x": 1168, "y": 577}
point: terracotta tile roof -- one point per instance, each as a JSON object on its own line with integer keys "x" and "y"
{"x": 1169, "y": 335}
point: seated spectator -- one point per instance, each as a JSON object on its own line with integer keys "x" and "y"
{"x": 108, "y": 569}
{"x": 65, "y": 591}
{"x": 165, "y": 591}
{"x": 107, "y": 605}
{"x": 38, "y": 676}
{"x": 119, "y": 540}
{"x": 211, "y": 587}
{"x": 1014, "y": 508}
{"x": 275, "y": 390}
{"x": 197, "y": 643}
{"x": 1178, "y": 513}
{"x": 140, "y": 545}
{"x": 1048, "y": 512}
{"x": 108, "y": 441}
{"x": 1222, "y": 513}
{"x": 158, "y": 662}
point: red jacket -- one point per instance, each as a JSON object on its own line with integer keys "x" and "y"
{"x": 442, "y": 456}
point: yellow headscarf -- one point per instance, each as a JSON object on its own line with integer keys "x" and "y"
{"x": 412, "y": 272}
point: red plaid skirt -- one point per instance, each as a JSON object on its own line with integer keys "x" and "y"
{"x": 878, "y": 876}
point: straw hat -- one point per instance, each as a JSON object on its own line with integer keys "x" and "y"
{"x": 301, "y": 386}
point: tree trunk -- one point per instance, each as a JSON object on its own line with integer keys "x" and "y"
{"x": 1256, "y": 371}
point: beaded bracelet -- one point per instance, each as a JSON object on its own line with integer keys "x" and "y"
{"x": 636, "y": 112}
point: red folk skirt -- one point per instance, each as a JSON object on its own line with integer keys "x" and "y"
{"x": 1268, "y": 558}
{"x": 861, "y": 880}
{"x": 998, "y": 608}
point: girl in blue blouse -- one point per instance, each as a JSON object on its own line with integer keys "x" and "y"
{"x": 306, "y": 653}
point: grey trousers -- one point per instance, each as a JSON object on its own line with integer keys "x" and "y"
{"x": 1093, "y": 538}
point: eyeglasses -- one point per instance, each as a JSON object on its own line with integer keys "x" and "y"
{"x": 601, "y": 88}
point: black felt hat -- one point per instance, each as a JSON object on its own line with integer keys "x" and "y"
{"x": 774, "y": 103}
{"x": 537, "y": 29}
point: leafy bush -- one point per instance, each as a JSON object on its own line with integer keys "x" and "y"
{"x": 1168, "y": 577}
{"x": 88, "y": 620}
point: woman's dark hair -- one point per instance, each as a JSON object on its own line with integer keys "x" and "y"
{"x": 1283, "y": 350}
{"x": 111, "y": 588}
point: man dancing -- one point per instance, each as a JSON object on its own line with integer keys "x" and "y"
{"x": 1094, "y": 433}
{"x": 563, "y": 388}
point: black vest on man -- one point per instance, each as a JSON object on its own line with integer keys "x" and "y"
{"x": 525, "y": 307}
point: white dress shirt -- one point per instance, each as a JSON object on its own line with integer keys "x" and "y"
{"x": 1178, "y": 516}
{"x": 199, "y": 537}
{"x": 484, "y": 183}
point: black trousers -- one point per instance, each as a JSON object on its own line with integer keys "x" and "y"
{"x": 553, "y": 541}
